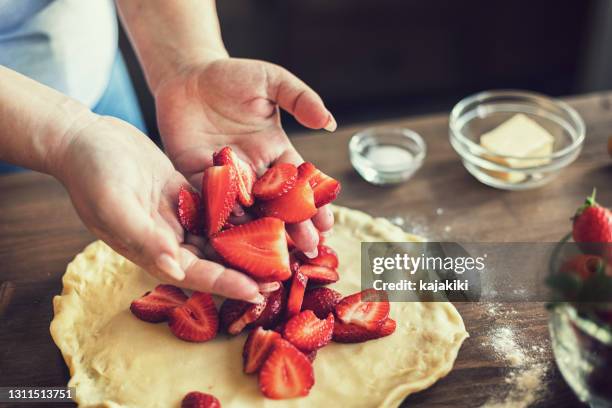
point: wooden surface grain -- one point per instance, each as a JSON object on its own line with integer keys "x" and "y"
{"x": 40, "y": 233}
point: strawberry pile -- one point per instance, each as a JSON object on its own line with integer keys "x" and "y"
{"x": 299, "y": 315}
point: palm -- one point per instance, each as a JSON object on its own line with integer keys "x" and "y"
{"x": 227, "y": 102}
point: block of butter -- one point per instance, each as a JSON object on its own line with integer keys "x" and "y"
{"x": 521, "y": 137}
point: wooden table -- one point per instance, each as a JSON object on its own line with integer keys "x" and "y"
{"x": 40, "y": 233}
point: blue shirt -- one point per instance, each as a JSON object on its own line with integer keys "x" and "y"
{"x": 69, "y": 45}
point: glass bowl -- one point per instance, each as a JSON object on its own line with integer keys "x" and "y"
{"x": 582, "y": 345}
{"x": 482, "y": 112}
{"x": 385, "y": 155}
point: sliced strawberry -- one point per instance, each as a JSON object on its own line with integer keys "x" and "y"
{"x": 219, "y": 188}
{"x": 275, "y": 303}
{"x": 321, "y": 301}
{"x": 196, "y": 399}
{"x": 275, "y": 182}
{"x": 295, "y": 206}
{"x": 296, "y": 293}
{"x": 235, "y": 315}
{"x": 246, "y": 175}
{"x": 352, "y": 333}
{"x": 154, "y": 306}
{"x": 325, "y": 188}
{"x": 326, "y": 257}
{"x": 286, "y": 373}
{"x": 368, "y": 309}
{"x": 196, "y": 320}
{"x": 257, "y": 348}
{"x": 259, "y": 248}
{"x": 320, "y": 274}
{"x": 307, "y": 332}
{"x": 190, "y": 210}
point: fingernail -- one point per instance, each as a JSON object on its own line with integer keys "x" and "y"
{"x": 257, "y": 299}
{"x": 269, "y": 287}
{"x": 168, "y": 265}
{"x": 331, "y": 124}
{"x": 312, "y": 254}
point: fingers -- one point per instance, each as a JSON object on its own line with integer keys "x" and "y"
{"x": 323, "y": 219}
{"x": 206, "y": 276}
{"x": 305, "y": 237}
{"x": 298, "y": 99}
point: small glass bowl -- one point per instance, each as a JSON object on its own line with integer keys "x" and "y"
{"x": 386, "y": 156}
{"x": 480, "y": 113}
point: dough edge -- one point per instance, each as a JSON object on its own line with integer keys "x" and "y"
{"x": 64, "y": 316}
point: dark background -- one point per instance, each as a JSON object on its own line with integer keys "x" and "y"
{"x": 375, "y": 59}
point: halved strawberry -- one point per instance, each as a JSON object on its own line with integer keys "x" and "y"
{"x": 321, "y": 301}
{"x": 297, "y": 205}
{"x": 307, "y": 332}
{"x": 259, "y": 248}
{"x": 154, "y": 306}
{"x": 296, "y": 293}
{"x": 235, "y": 315}
{"x": 368, "y": 308}
{"x": 219, "y": 188}
{"x": 246, "y": 175}
{"x": 190, "y": 210}
{"x": 196, "y": 399}
{"x": 286, "y": 373}
{"x": 325, "y": 188}
{"x": 276, "y": 181}
{"x": 196, "y": 320}
{"x": 320, "y": 274}
{"x": 352, "y": 333}
{"x": 326, "y": 257}
{"x": 257, "y": 348}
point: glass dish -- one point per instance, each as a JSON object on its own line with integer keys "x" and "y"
{"x": 481, "y": 113}
{"x": 386, "y": 156}
{"x": 582, "y": 347}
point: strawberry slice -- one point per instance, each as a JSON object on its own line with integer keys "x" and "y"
{"x": 196, "y": 320}
{"x": 297, "y": 205}
{"x": 196, "y": 399}
{"x": 368, "y": 309}
{"x": 154, "y": 306}
{"x": 276, "y": 181}
{"x": 219, "y": 188}
{"x": 190, "y": 210}
{"x": 320, "y": 274}
{"x": 257, "y": 348}
{"x": 296, "y": 293}
{"x": 259, "y": 248}
{"x": 326, "y": 257}
{"x": 235, "y": 315}
{"x": 307, "y": 332}
{"x": 325, "y": 188}
{"x": 321, "y": 301}
{"x": 246, "y": 175}
{"x": 286, "y": 373}
{"x": 275, "y": 303}
{"x": 352, "y": 333}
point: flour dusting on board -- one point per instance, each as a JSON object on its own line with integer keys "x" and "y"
{"x": 526, "y": 378}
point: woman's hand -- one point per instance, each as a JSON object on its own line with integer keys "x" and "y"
{"x": 125, "y": 190}
{"x": 236, "y": 102}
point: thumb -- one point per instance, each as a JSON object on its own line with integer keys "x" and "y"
{"x": 297, "y": 98}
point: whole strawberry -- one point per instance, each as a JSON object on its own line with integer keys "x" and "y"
{"x": 593, "y": 224}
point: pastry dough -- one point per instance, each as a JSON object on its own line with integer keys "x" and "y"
{"x": 116, "y": 360}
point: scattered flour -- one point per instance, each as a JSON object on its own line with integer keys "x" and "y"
{"x": 527, "y": 372}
